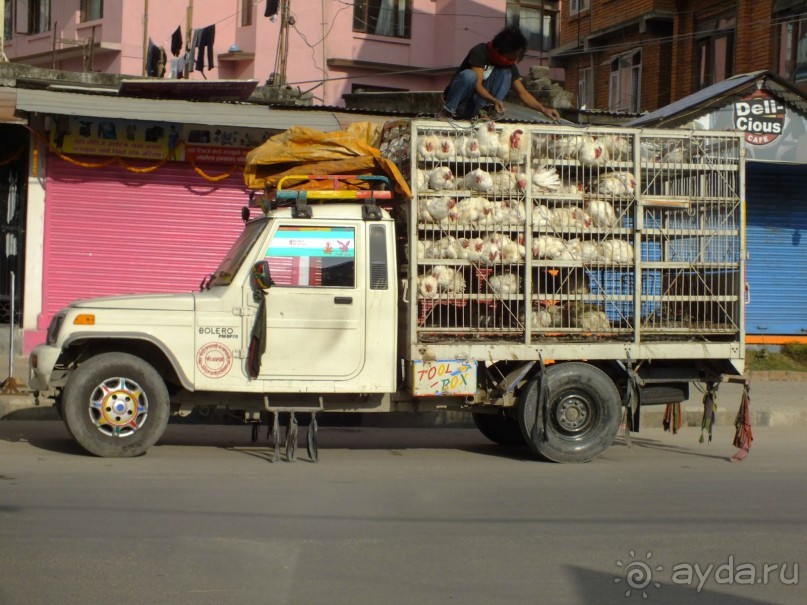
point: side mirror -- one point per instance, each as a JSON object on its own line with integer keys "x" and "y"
{"x": 261, "y": 278}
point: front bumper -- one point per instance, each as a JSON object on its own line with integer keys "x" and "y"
{"x": 40, "y": 365}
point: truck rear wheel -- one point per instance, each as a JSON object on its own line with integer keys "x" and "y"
{"x": 582, "y": 413}
{"x": 499, "y": 428}
{"x": 115, "y": 405}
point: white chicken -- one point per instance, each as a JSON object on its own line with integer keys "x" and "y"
{"x": 445, "y": 149}
{"x": 478, "y": 180}
{"x": 488, "y": 138}
{"x": 504, "y": 181}
{"x": 564, "y": 146}
{"x": 545, "y": 180}
{"x": 616, "y": 146}
{"x": 505, "y": 284}
{"x": 601, "y": 212}
{"x": 462, "y": 246}
{"x": 499, "y": 214}
{"x": 582, "y": 250}
{"x": 490, "y": 254}
{"x": 449, "y": 280}
{"x": 423, "y": 211}
{"x": 445, "y": 277}
{"x": 468, "y": 147}
{"x": 547, "y": 246}
{"x": 616, "y": 184}
{"x": 441, "y": 178}
{"x": 439, "y": 208}
{"x": 427, "y": 286}
{"x": 513, "y": 252}
{"x": 444, "y": 248}
{"x": 616, "y": 251}
{"x": 513, "y": 145}
{"x": 427, "y": 147}
{"x": 540, "y": 145}
{"x": 469, "y": 210}
{"x": 570, "y": 218}
{"x": 518, "y": 212}
{"x": 476, "y": 247}
{"x": 591, "y": 152}
{"x": 422, "y": 249}
{"x": 541, "y": 318}
{"x": 591, "y": 320}
{"x": 541, "y": 217}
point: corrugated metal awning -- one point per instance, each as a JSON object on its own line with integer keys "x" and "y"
{"x": 244, "y": 115}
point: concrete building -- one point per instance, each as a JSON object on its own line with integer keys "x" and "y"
{"x": 330, "y": 48}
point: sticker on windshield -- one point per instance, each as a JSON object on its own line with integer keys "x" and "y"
{"x": 313, "y": 242}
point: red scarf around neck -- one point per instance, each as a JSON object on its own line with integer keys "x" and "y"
{"x": 499, "y": 60}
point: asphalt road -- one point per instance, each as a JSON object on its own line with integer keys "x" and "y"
{"x": 400, "y": 516}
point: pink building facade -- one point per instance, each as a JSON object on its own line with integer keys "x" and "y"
{"x": 333, "y": 47}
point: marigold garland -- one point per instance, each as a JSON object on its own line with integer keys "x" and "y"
{"x": 136, "y": 169}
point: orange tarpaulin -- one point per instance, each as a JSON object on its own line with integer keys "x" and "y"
{"x": 301, "y": 150}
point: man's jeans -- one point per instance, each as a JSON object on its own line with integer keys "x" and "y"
{"x": 461, "y": 99}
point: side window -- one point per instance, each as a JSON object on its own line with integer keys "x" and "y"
{"x": 313, "y": 257}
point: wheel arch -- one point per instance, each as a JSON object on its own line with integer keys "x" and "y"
{"x": 78, "y": 349}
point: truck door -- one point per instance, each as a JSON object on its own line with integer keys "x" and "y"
{"x": 315, "y": 323}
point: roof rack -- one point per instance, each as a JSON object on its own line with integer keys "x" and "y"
{"x": 299, "y": 198}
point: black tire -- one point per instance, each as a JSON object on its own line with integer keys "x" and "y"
{"x": 115, "y": 405}
{"x": 583, "y": 413}
{"x": 499, "y": 428}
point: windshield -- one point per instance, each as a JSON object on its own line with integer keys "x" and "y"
{"x": 235, "y": 257}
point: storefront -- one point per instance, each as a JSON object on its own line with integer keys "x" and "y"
{"x": 134, "y": 195}
{"x": 773, "y": 115}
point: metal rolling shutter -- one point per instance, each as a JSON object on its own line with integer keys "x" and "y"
{"x": 109, "y": 231}
{"x": 776, "y": 201}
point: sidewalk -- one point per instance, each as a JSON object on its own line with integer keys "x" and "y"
{"x": 777, "y": 399}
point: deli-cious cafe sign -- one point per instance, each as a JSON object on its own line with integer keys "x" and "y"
{"x": 760, "y": 117}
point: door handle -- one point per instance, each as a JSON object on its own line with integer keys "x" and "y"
{"x": 343, "y": 300}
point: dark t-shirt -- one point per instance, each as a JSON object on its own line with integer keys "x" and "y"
{"x": 479, "y": 56}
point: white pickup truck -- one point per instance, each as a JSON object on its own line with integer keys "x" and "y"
{"x": 540, "y": 283}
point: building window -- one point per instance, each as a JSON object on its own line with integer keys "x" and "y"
{"x": 714, "y": 50}
{"x": 8, "y": 29}
{"x": 585, "y": 88}
{"x": 246, "y": 12}
{"x": 38, "y": 16}
{"x": 791, "y": 45}
{"x": 537, "y": 20}
{"x": 624, "y": 91}
{"x": 383, "y": 17}
{"x": 92, "y": 10}
{"x": 578, "y": 6}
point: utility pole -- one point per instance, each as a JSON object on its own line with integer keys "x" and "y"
{"x": 188, "y": 39}
{"x": 3, "y": 57}
{"x": 281, "y": 60}
{"x": 145, "y": 34}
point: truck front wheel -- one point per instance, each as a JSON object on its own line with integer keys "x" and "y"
{"x": 580, "y": 418}
{"x": 115, "y": 405}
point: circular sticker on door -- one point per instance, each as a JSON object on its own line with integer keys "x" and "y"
{"x": 214, "y": 360}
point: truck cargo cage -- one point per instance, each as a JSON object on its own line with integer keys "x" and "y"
{"x": 540, "y": 232}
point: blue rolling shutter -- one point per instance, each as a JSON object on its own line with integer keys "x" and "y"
{"x": 776, "y": 202}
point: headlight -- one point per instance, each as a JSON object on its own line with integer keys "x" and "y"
{"x": 54, "y": 327}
